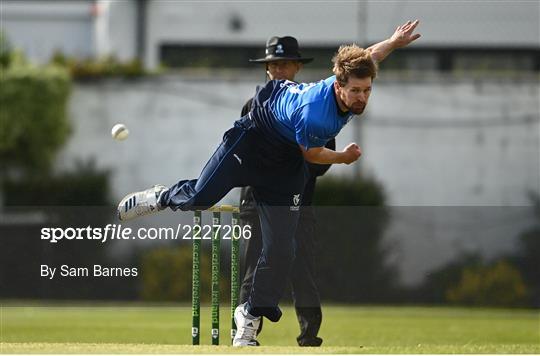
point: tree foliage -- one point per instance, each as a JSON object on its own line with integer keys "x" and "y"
{"x": 351, "y": 218}
{"x": 498, "y": 285}
{"x": 33, "y": 115}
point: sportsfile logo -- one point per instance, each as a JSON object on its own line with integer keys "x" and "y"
{"x": 109, "y": 232}
{"x": 119, "y": 232}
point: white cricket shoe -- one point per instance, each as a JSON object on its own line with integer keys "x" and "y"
{"x": 247, "y": 326}
{"x": 140, "y": 203}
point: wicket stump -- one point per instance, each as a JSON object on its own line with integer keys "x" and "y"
{"x": 215, "y": 270}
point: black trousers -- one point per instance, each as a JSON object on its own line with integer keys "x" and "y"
{"x": 278, "y": 174}
{"x": 302, "y": 278}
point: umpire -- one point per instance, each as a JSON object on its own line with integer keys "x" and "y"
{"x": 283, "y": 61}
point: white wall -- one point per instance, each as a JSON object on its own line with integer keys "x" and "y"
{"x": 462, "y": 143}
{"x": 431, "y": 143}
{"x": 175, "y": 125}
{"x": 77, "y": 28}
{"x": 456, "y": 158}
{"x": 424, "y": 238}
{"x": 487, "y": 23}
{"x": 443, "y": 23}
{"x": 115, "y": 29}
{"x": 205, "y": 22}
{"x": 39, "y": 27}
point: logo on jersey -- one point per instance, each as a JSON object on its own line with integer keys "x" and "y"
{"x": 296, "y": 202}
{"x": 287, "y": 83}
{"x": 297, "y": 90}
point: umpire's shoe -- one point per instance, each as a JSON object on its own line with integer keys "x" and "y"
{"x": 247, "y": 326}
{"x": 140, "y": 203}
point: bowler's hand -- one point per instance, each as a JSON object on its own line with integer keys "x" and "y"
{"x": 404, "y": 34}
{"x": 351, "y": 153}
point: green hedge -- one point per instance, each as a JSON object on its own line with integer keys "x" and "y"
{"x": 166, "y": 274}
{"x": 85, "y": 186}
{"x": 33, "y": 118}
{"x": 498, "y": 285}
{"x": 345, "y": 191}
{"x": 96, "y": 68}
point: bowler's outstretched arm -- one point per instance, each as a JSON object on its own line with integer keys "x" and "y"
{"x": 401, "y": 38}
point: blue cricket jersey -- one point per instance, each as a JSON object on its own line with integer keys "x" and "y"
{"x": 306, "y": 113}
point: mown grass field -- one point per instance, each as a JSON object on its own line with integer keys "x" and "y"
{"x": 346, "y": 329}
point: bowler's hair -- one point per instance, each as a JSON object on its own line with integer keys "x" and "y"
{"x": 351, "y": 60}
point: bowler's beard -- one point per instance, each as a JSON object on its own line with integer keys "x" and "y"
{"x": 357, "y": 109}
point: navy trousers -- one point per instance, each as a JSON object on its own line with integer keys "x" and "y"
{"x": 277, "y": 172}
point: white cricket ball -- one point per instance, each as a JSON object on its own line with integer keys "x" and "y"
{"x": 119, "y": 132}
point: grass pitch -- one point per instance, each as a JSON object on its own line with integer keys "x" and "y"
{"x": 345, "y": 329}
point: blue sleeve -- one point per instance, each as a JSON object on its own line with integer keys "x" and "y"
{"x": 309, "y": 131}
